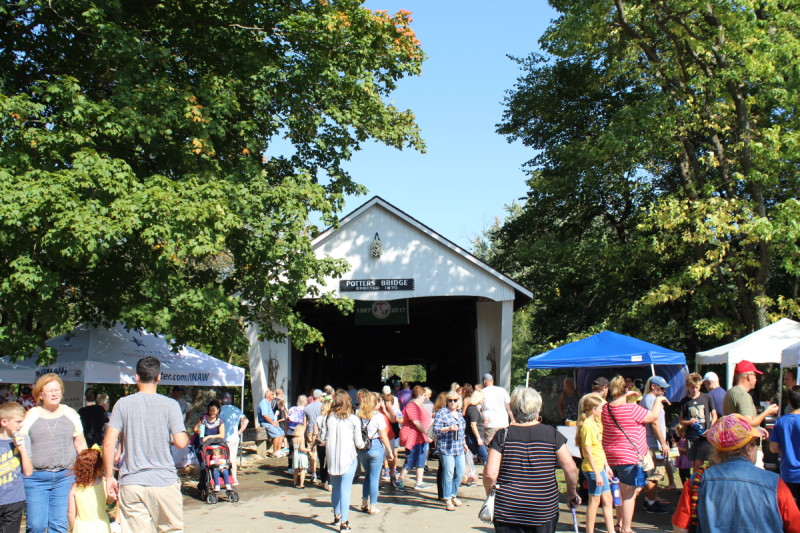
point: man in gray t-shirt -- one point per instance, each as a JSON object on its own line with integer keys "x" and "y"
{"x": 148, "y": 490}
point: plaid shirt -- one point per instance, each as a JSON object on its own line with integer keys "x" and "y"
{"x": 449, "y": 442}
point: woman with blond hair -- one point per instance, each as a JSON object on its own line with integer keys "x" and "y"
{"x": 625, "y": 444}
{"x": 341, "y": 433}
{"x": 56, "y": 437}
{"x": 373, "y": 421}
{"x": 449, "y": 428}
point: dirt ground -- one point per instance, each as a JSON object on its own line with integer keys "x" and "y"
{"x": 268, "y": 501}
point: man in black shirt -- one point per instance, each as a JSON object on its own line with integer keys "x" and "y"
{"x": 698, "y": 413}
{"x": 93, "y": 418}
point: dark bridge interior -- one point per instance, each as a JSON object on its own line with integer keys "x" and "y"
{"x": 440, "y": 335}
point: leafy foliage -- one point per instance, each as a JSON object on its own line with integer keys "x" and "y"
{"x": 144, "y": 163}
{"x": 663, "y": 192}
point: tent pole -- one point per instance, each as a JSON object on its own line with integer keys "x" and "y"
{"x": 653, "y": 369}
{"x": 780, "y": 392}
{"x": 241, "y": 438}
{"x": 527, "y": 378}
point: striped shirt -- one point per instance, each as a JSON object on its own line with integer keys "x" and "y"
{"x": 527, "y": 491}
{"x": 618, "y": 450}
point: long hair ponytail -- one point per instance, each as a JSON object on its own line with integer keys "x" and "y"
{"x": 585, "y": 407}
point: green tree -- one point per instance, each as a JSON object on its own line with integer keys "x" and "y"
{"x": 663, "y": 196}
{"x": 160, "y": 161}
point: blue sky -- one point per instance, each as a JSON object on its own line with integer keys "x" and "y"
{"x": 469, "y": 172}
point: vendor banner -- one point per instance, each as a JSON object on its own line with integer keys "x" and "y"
{"x": 381, "y": 313}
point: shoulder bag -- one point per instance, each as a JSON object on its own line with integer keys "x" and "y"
{"x": 365, "y": 435}
{"x": 639, "y": 475}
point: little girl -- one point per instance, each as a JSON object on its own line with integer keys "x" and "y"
{"x": 220, "y": 466}
{"x": 682, "y": 463}
{"x": 87, "y": 499}
{"x": 300, "y": 457}
{"x": 595, "y": 467}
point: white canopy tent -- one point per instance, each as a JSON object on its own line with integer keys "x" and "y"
{"x": 109, "y": 355}
{"x": 790, "y": 358}
{"x": 762, "y": 346}
{"x": 11, "y": 373}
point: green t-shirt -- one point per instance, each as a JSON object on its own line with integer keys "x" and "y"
{"x": 738, "y": 400}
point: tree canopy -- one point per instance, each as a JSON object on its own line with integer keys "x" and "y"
{"x": 160, "y": 162}
{"x": 663, "y": 192}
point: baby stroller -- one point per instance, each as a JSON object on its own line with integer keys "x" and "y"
{"x": 215, "y": 459}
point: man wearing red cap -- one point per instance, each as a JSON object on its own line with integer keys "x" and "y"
{"x": 738, "y": 399}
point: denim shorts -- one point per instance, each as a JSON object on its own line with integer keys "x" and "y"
{"x": 417, "y": 456}
{"x": 627, "y": 475}
{"x": 594, "y": 490}
{"x": 273, "y": 431}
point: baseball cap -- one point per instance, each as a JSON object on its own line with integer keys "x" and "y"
{"x": 711, "y": 376}
{"x": 600, "y": 382}
{"x": 227, "y": 398}
{"x": 746, "y": 366}
{"x": 488, "y": 377}
{"x": 386, "y": 389}
{"x": 732, "y": 432}
{"x": 661, "y": 382}
{"x": 317, "y": 393}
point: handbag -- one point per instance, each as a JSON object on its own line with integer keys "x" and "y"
{"x": 487, "y": 509}
{"x": 486, "y": 513}
{"x": 639, "y": 477}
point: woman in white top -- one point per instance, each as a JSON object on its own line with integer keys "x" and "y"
{"x": 375, "y": 423}
{"x": 56, "y": 437}
{"x": 341, "y": 432}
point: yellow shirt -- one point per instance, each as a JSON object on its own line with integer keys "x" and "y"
{"x": 591, "y": 438}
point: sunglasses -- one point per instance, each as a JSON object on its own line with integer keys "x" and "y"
{"x": 452, "y": 400}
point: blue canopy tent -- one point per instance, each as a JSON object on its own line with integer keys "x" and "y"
{"x": 608, "y": 354}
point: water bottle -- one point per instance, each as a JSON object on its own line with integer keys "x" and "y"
{"x": 615, "y": 493}
{"x": 202, "y": 430}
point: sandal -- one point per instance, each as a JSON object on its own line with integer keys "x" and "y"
{"x": 449, "y": 505}
{"x": 373, "y": 510}
{"x": 364, "y": 506}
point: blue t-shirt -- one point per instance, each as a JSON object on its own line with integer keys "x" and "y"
{"x": 787, "y": 434}
{"x": 11, "y": 487}
{"x": 230, "y": 415}
{"x": 719, "y": 399}
{"x": 264, "y": 410}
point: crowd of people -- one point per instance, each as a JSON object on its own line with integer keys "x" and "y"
{"x": 62, "y": 467}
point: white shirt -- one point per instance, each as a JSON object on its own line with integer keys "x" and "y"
{"x": 495, "y": 400}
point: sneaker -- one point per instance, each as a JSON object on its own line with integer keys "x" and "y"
{"x": 656, "y": 508}
{"x": 216, "y": 488}
{"x": 421, "y": 486}
{"x": 399, "y": 486}
{"x": 228, "y": 487}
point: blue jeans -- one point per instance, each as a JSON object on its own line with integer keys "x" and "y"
{"x": 372, "y": 461}
{"x": 416, "y": 457}
{"x": 480, "y": 451}
{"x": 453, "y": 472}
{"x": 226, "y": 476}
{"x": 47, "y": 498}
{"x": 340, "y": 494}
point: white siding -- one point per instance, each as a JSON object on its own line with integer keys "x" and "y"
{"x": 407, "y": 253}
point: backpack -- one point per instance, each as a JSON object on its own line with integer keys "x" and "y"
{"x": 365, "y": 435}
